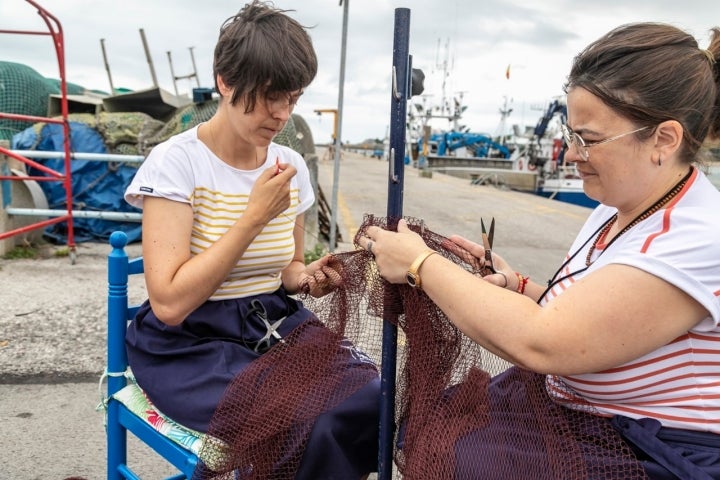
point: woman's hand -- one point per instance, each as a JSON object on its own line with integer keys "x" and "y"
{"x": 474, "y": 254}
{"x": 270, "y": 195}
{"x": 394, "y": 252}
{"x": 321, "y": 276}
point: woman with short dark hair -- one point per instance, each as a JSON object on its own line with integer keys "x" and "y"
{"x": 221, "y": 346}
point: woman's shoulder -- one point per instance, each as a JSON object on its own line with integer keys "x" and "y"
{"x": 185, "y": 139}
{"x": 179, "y": 146}
{"x": 700, "y": 204}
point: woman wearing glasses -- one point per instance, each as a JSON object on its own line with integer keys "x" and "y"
{"x": 221, "y": 346}
{"x": 627, "y": 329}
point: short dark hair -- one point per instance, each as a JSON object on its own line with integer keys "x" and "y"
{"x": 653, "y": 72}
{"x": 262, "y": 51}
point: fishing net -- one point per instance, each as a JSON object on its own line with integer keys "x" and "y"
{"x": 264, "y": 419}
{"x": 461, "y": 412}
{"x": 24, "y": 92}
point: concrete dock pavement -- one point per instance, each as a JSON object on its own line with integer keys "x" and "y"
{"x": 52, "y": 340}
{"x": 532, "y": 233}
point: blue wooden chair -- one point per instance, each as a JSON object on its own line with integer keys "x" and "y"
{"x": 120, "y": 419}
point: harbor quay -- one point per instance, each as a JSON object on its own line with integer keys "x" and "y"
{"x": 52, "y": 330}
{"x": 532, "y": 233}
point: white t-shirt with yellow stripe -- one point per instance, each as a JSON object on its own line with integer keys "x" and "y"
{"x": 183, "y": 169}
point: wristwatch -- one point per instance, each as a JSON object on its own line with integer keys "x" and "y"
{"x": 413, "y": 276}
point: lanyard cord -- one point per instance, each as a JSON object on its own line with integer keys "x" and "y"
{"x": 553, "y": 280}
{"x": 648, "y": 212}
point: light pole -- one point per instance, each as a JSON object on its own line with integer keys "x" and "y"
{"x": 338, "y": 136}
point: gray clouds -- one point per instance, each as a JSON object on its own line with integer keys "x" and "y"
{"x": 538, "y": 41}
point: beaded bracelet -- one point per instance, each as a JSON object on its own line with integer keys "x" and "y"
{"x": 522, "y": 283}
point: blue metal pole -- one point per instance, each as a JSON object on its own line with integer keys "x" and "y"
{"x": 396, "y": 164}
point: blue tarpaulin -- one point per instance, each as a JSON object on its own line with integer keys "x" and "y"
{"x": 96, "y": 185}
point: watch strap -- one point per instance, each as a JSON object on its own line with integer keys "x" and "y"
{"x": 413, "y": 276}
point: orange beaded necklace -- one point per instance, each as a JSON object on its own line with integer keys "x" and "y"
{"x": 649, "y": 211}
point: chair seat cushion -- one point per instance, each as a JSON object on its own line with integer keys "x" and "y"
{"x": 137, "y": 402}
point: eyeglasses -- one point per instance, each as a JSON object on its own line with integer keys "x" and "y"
{"x": 573, "y": 139}
{"x": 281, "y": 101}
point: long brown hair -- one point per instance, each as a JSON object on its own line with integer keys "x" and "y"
{"x": 653, "y": 72}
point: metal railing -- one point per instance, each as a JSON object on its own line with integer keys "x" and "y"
{"x": 56, "y": 33}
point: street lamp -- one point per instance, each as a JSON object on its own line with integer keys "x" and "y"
{"x": 338, "y": 130}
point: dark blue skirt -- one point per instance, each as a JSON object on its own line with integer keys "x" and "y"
{"x": 185, "y": 370}
{"x": 512, "y": 445}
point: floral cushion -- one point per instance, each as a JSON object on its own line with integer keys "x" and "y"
{"x": 137, "y": 402}
{"x": 133, "y": 397}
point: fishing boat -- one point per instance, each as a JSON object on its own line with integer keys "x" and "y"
{"x": 556, "y": 179}
{"x": 566, "y": 186}
{"x": 529, "y": 161}
{"x": 457, "y": 151}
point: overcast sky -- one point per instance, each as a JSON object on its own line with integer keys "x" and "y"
{"x": 473, "y": 40}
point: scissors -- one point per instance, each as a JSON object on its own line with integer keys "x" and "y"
{"x": 487, "y": 239}
{"x": 264, "y": 344}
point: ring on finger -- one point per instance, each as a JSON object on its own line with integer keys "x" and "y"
{"x": 505, "y": 277}
{"x": 369, "y": 247}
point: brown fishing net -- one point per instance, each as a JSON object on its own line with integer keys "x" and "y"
{"x": 264, "y": 419}
{"x": 461, "y": 412}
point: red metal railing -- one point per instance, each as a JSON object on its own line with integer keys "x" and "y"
{"x": 54, "y": 31}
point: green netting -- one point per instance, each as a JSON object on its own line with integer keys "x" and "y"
{"x": 72, "y": 88}
{"x": 22, "y": 91}
{"x": 185, "y": 118}
{"x": 136, "y": 133}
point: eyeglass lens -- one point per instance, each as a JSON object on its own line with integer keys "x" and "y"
{"x": 572, "y": 139}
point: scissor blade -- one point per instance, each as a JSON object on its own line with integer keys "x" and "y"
{"x": 491, "y": 235}
{"x": 486, "y": 241}
{"x": 487, "y": 244}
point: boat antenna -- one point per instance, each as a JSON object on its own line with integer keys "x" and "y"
{"x": 107, "y": 65}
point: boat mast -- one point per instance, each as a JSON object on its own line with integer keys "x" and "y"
{"x": 505, "y": 112}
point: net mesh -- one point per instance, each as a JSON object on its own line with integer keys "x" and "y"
{"x": 265, "y": 416}
{"x": 455, "y": 417}
{"x": 24, "y": 92}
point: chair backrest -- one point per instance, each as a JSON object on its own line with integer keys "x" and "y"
{"x": 120, "y": 267}
{"x": 121, "y": 419}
